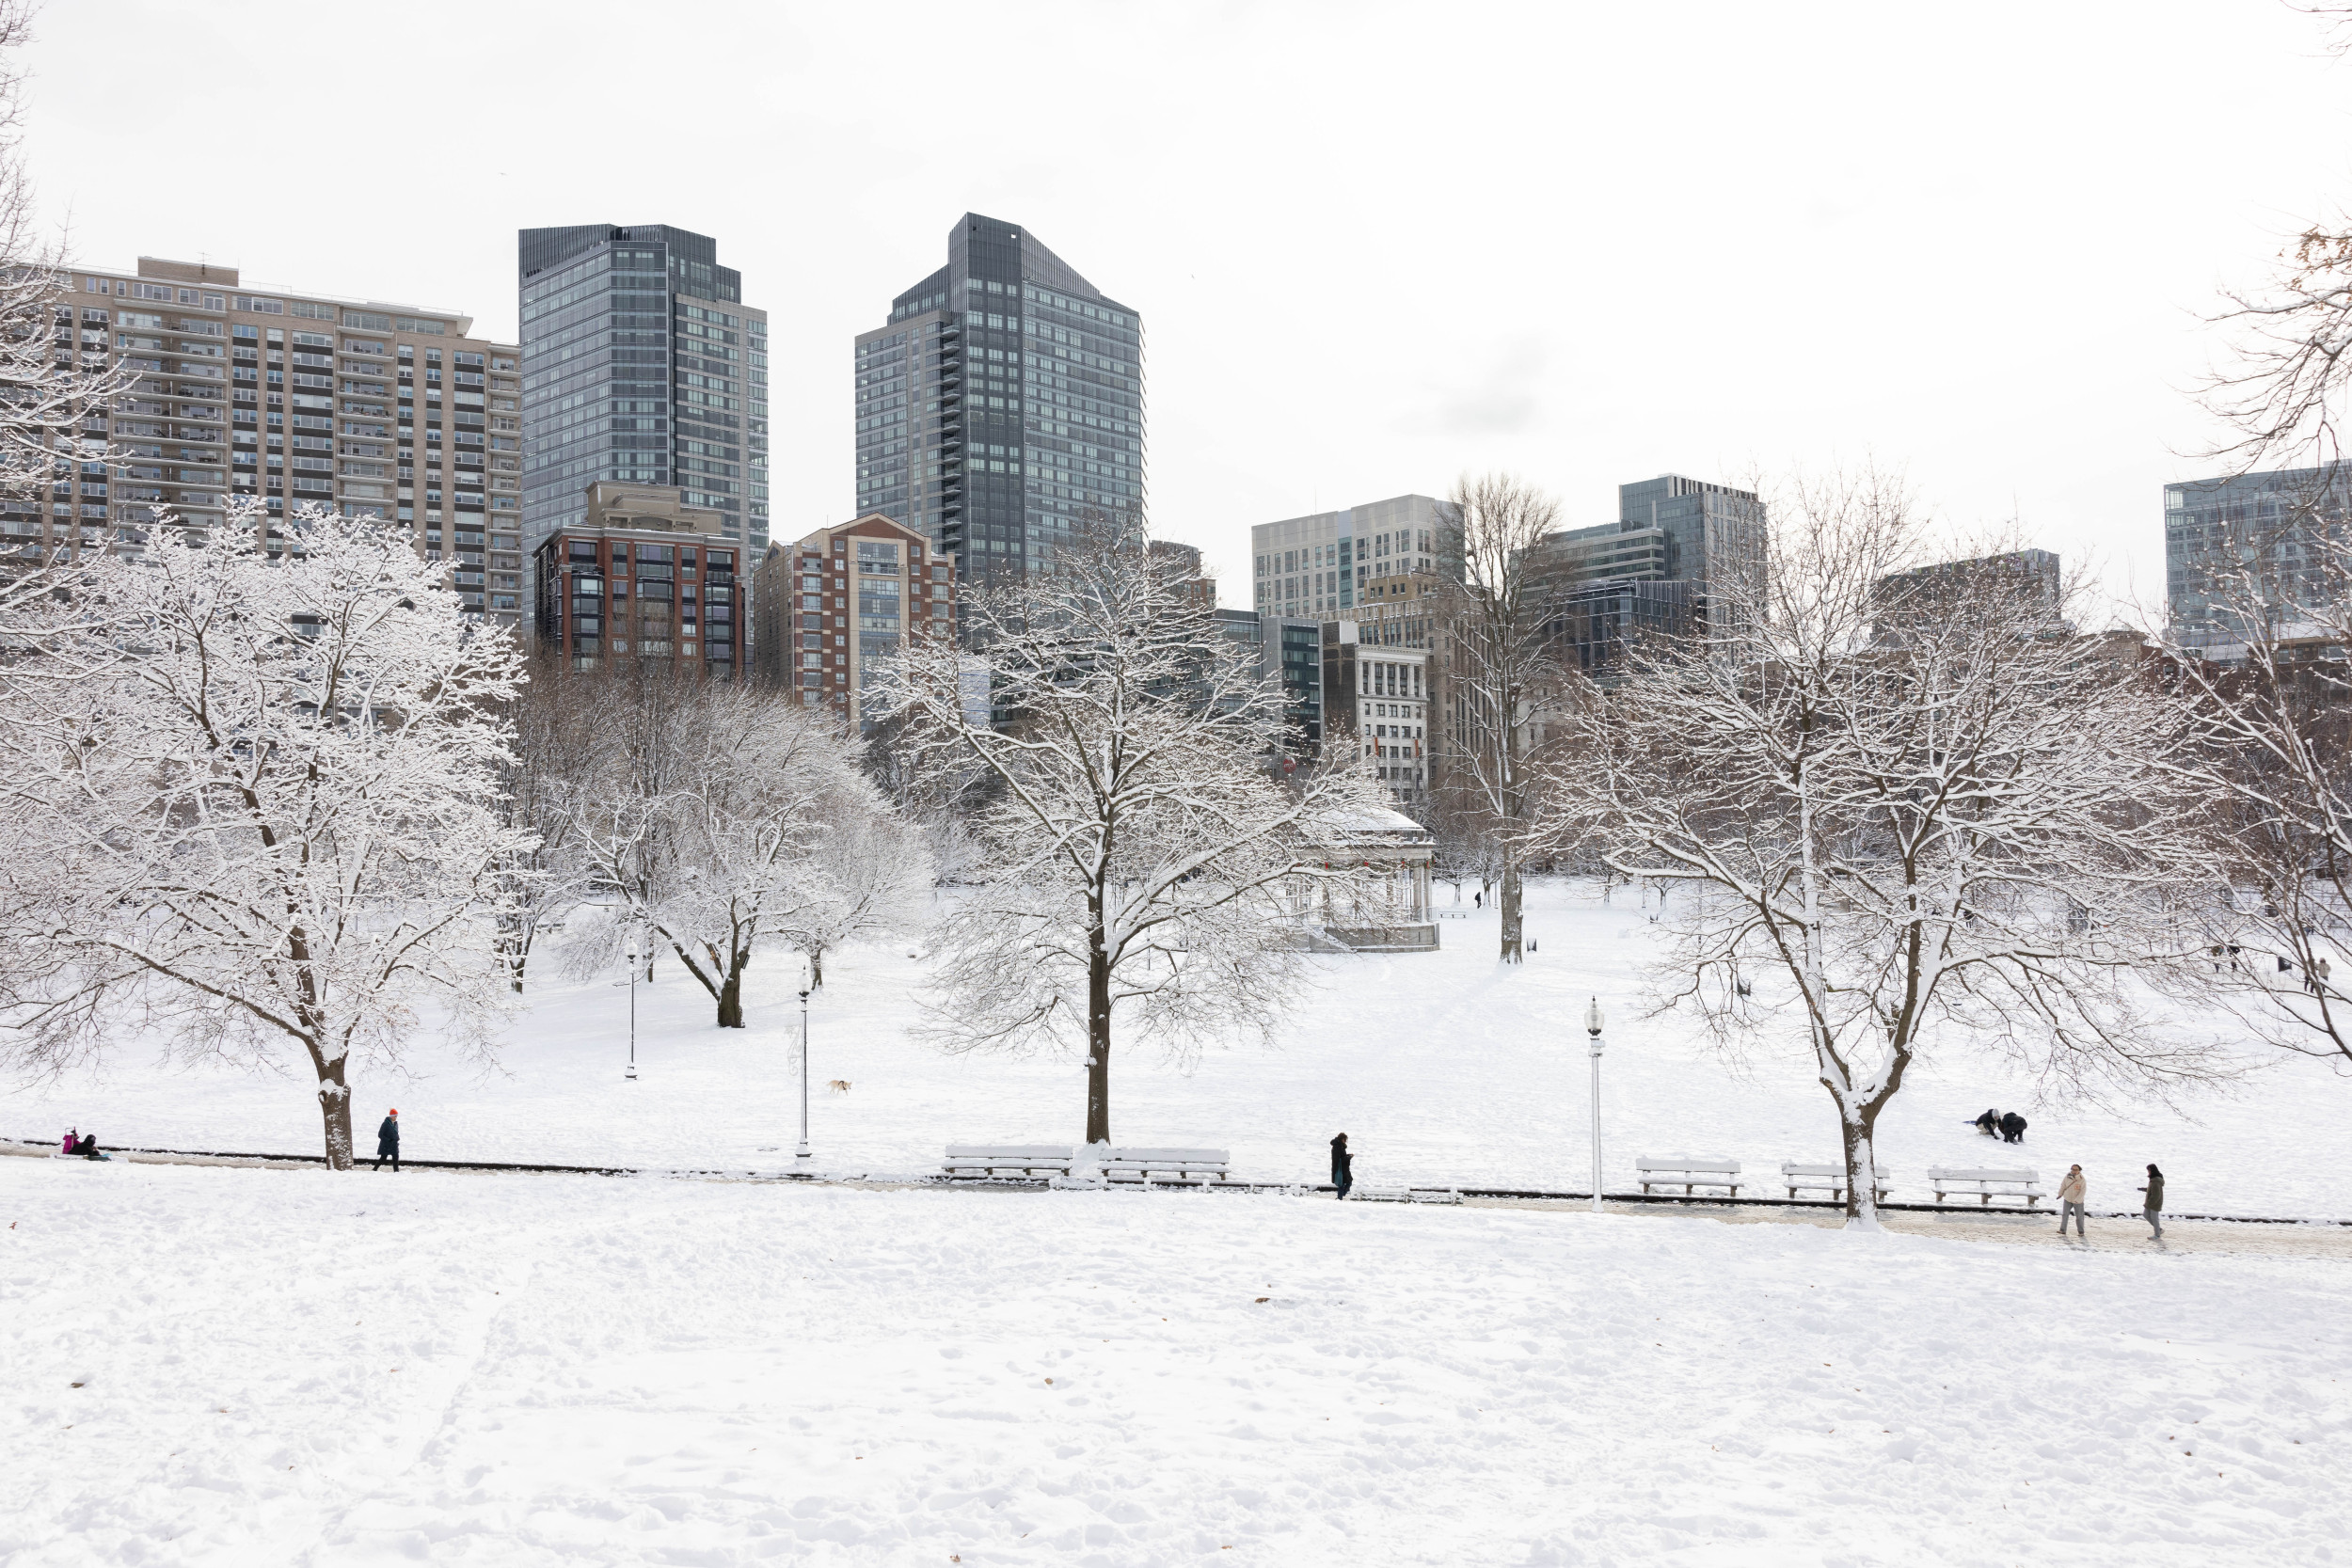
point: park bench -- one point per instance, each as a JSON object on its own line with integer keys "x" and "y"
{"x": 1005, "y": 1162}
{"x": 1193, "y": 1167}
{"x": 1687, "y": 1171}
{"x": 1827, "y": 1178}
{"x": 1391, "y": 1192}
{"x": 1986, "y": 1184}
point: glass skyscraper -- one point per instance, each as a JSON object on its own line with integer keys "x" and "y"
{"x": 642, "y": 364}
{"x": 1001, "y": 405}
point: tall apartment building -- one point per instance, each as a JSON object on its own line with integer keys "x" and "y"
{"x": 1374, "y": 565}
{"x": 641, "y": 364}
{"x": 641, "y": 577}
{"x": 2268, "y": 528}
{"x": 835, "y": 610}
{"x": 290, "y": 396}
{"x": 1001, "y": 405}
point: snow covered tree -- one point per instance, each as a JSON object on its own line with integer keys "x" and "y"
{"x": 2271, "y": 709}
{"x": 1909, "y": 807}
{"x": 545, "y": 792}
{"x": 265, "y": 812}
{"x": 714, "y": 813}
{"x": 1145, "y": 864}
{"x": 1498, "y": 673}
{"x": 878, "y": 873}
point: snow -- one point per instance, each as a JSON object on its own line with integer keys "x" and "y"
{"x": 1443, "y": 1068}
{"x": 286, "y": 1366}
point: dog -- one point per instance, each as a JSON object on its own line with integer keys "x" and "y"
{"x": 839, "y": 1085}
{"x": 2012, "y": 1129}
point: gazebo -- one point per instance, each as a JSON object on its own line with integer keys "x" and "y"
{"x": 1385, "y": 908}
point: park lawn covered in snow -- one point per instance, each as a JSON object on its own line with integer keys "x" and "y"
{"x": 1441, "y": 1067}
{"x": 293, "y": 1366}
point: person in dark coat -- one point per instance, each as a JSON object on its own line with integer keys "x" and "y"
{"x": 387, "y": 1142}
{"x": 88, "y": 1149}
{"x": 1990, "y": 1124}
{"x": 2156, "y": 1202}
{"x": 1342, "y": 1166}
{"x": 2012, "y": 1129}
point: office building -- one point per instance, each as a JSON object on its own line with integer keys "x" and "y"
{"x": 1674, "y": 563}
{"x": 2028, "y": 580}
{"x": 641, "y": 577}
{"x": 2274, "y": 535}
{"x": 1374, "y": 565}
{"x": 1001, "y": 405}
{"x": 285, "y": 395}
{"x": 1377, "y": 697}
{"x": 641, "y": 365}
{"x": 834, "y": 609}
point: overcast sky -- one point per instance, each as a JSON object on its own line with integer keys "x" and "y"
{"x": 1373, "y": 246}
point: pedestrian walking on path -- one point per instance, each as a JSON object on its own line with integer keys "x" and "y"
{"x": 2156, "y": 1202}
{"x": 387, "y": 1142}
{"x": 2070, "y": 1199}
{"x": 1343, "y": 1164}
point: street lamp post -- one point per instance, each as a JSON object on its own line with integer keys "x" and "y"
{"x": 635, "y": 942}
{"x": 806, "y": 979}
{"x": 1593, "y": 1023}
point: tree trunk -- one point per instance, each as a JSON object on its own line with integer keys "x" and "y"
{"x": 1511, "y": 913}
{"x": 817, "y": 969}
{"x": 335, "y": 1110}
{"x": 731, "y": 993}
{"x": 1098, "y": 1047}
{"x": 1859, "y": 1124}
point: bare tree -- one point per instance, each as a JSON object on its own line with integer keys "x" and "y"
{"x": 877, "y": 870}
{"x": 545, "y": 790}
{"x": 1146, "y": 868}
{"x": 265, "y": 812}
{"x": 1498, "y": 673}
{"x": 1905, "y": 816}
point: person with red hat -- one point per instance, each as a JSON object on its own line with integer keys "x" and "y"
{"x": 387, "y": 1142}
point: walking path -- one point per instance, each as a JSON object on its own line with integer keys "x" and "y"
{"x": 2108, "y": 1232}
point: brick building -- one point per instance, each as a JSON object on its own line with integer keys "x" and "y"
{"x": 834, "y": 609}
{"x": 645, "y": 576}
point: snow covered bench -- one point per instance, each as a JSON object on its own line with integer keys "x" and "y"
{"x": 1394, "y": 1193}
{"x": 1687, "y": 1171}
{"x": 1195, "y": 1167}
{"x": 1986, "y": 1184}
{"x": 1827, "y": 1178}
{"x": 1005, "y": 1162}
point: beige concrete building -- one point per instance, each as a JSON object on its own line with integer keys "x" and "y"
{"x": 1375, "y": 697}
{"x": 642, "y": 576}
{"x": 289, "y": 396}
{"x": 833, "y": 610}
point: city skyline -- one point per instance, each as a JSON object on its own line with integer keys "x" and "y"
{"x": 1291, "y": 223}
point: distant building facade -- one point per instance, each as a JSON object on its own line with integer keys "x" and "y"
{"x": 1374, "y": 565}
{"x": 2267, "y": 531}
{"x": 835, "y": 610}
{"x": 1925, "y": 596}
{"x": 1001, "y": 405}
{"x": 1672, "y": 563}
{"x": 643, "y": 365}
{"x": 1376, "y": 698}
{"x": 640, "y": 576}
{"x": 290, "y": 396}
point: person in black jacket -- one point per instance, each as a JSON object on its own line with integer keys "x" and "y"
{"x": 1989, "y": 1124}
{"x": 1342, "y": 1166}
{"x": 387, "y": 1142}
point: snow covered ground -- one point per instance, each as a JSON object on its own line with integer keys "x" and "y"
{"x": 1441, "y": 1067}
{"x": 291, "y": 1367}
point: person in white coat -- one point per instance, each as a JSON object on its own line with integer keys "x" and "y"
{"x": 2070, "y": 1199}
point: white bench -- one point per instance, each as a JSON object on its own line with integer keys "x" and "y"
{"x": 1687, "y": 1171}
{"x": 1827, "y": 1178}
{"x": 1392, "y": 1193}
{"x": 1005, "y": 1162}
{"x": 1986, "y": 1184}
{"x": 1194, "y": 1167}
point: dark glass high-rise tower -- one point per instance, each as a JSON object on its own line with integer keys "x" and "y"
{"x": 1001, "y": 405}
{"x": 641, "y": 363}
